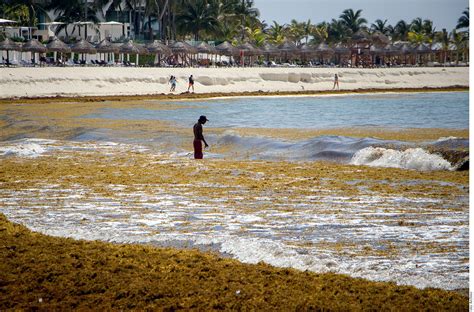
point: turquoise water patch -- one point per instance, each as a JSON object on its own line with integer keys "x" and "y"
{"x": 406, "y": 110}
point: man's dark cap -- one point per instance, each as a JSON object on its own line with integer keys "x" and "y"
{"x": 203, "y": 118}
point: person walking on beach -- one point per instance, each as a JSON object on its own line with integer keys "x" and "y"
{"x": 336, "y": 81}
{"x": 173, "y": 82}
{"x": 199, "y": 137}
{"x": 191, "y": 83}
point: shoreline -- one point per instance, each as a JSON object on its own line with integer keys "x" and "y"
{"x": 78, "y": 82}
{"x": 221, "y": 95}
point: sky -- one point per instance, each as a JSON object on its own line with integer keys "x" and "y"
{"x": 443, "y": 13}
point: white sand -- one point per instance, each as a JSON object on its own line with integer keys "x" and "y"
{"x": 87, "y": 81}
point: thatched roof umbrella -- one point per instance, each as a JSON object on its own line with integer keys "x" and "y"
{"x": 226, "y": 48}
{"x": 287, "y": 47}
{"x": 324, "y": 50}
{"x": 204, "y": 47}
{"x": 391, "y": 50}
{"x": 57, "y": 45}
{"x": 158, "y": 49}
{"x": 341, "y": 49}
{"x": 306, "y": 50}
{"x": 379, "y": 39}
{"x": 269, "y": 49}
{"x": 84, "y": 47}
{"x": 182, "y": 49}
{"x": 105, "y": 46}
{"x": 421, "y": 50}
{"x": 34, "y": 46}
{"x": 130, "y": 48}
{"x": 247, "y": 49}
{"x": 8, "y": 45}
{"x": 361, "y": 37}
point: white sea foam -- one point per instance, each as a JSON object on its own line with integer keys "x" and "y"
{"x": 22, "y": 149}
{"x": 412, "y": 158}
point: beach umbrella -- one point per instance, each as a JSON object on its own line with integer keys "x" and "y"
{"x": 34, "y": 46}
{"x": 287, "y": 47}
{"x": 181, "y": 49}
{"x": 306, "y": 49}
{"x": 204, "y": 47}
{"x": 84, "y": 47}
{"x": 105, "y": 46}
{"x": 361, "y": 37}
{"x": 130, "y": 48}
{"x": 391, "y": 50}
{"x": 226, "y": 48}
{"x": 379, "y": 39}
{"x": 247, "y": 49}
{"x": 422, "y": 49}
{"x": 8, "y": 45}
{"x": 157, "y": 47}
{"x": 341, "y": 49}
{"x": 324, "y": 50}
{"x": 269, "y": 49}
{"x": 57, "y": 45}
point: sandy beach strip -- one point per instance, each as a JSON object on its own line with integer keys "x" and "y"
{"x": 123, "y": 81}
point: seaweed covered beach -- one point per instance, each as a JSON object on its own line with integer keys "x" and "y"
{"x": 102, "y": 210}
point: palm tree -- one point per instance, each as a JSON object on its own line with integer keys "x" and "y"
{"x": 381, "y": 26}
{"x": 461, "y": 42}
{"x": 295, "y": 31}
{"x": 352, "y": 19}
{"x": 443, "y": 38}
{"x": 463, "y": 21}
{"x": 32, "y": 6}
{"x": 320, "y": 33}
{"x": 417, "y": 25}
{"x": 276, "y": 33}
{"x": 400, "y": 31}
{"x": 307, "y": 30}
{"x": 198, "y": 15}
{"x": 338, "y": 31}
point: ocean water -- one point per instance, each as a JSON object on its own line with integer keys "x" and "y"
{"x": 284, "y": 231}
{"x": 392, "y": 111}
{"x": 411, "y": 110}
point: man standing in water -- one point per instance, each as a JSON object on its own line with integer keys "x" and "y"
{"x": 199, "y": 138}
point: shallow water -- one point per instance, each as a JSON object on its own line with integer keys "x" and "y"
{"x": 414, "y": 110}
{"x": 406, "y": 237}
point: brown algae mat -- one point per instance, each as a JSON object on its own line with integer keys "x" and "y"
{"x": 50, "y": 273}
{"x": 39, "y": 272}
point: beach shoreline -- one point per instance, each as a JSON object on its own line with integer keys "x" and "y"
{"x": 112, "y": 82}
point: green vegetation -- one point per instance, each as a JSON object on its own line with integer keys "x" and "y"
{"x": 231, "y": 20}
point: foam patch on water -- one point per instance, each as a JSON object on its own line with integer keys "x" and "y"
{"x": 412, "y": 158}
{"x": 25, "y": 148}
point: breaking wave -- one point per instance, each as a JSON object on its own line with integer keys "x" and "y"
{"x": 412, "y": 158}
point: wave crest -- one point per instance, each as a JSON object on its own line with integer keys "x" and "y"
{"x": 412, "y": 158}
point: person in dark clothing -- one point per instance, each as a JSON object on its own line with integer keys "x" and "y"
{"x": 191, "y": 83}
{"x": 199, "y": 138}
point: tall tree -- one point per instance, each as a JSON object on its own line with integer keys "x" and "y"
{"x": 197, "y": 16}
{"x": 380, "y": 26}
{"x": 400, "y": 31}
{"x": 353, "y": 20}
{"x": 463, "y": 21}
